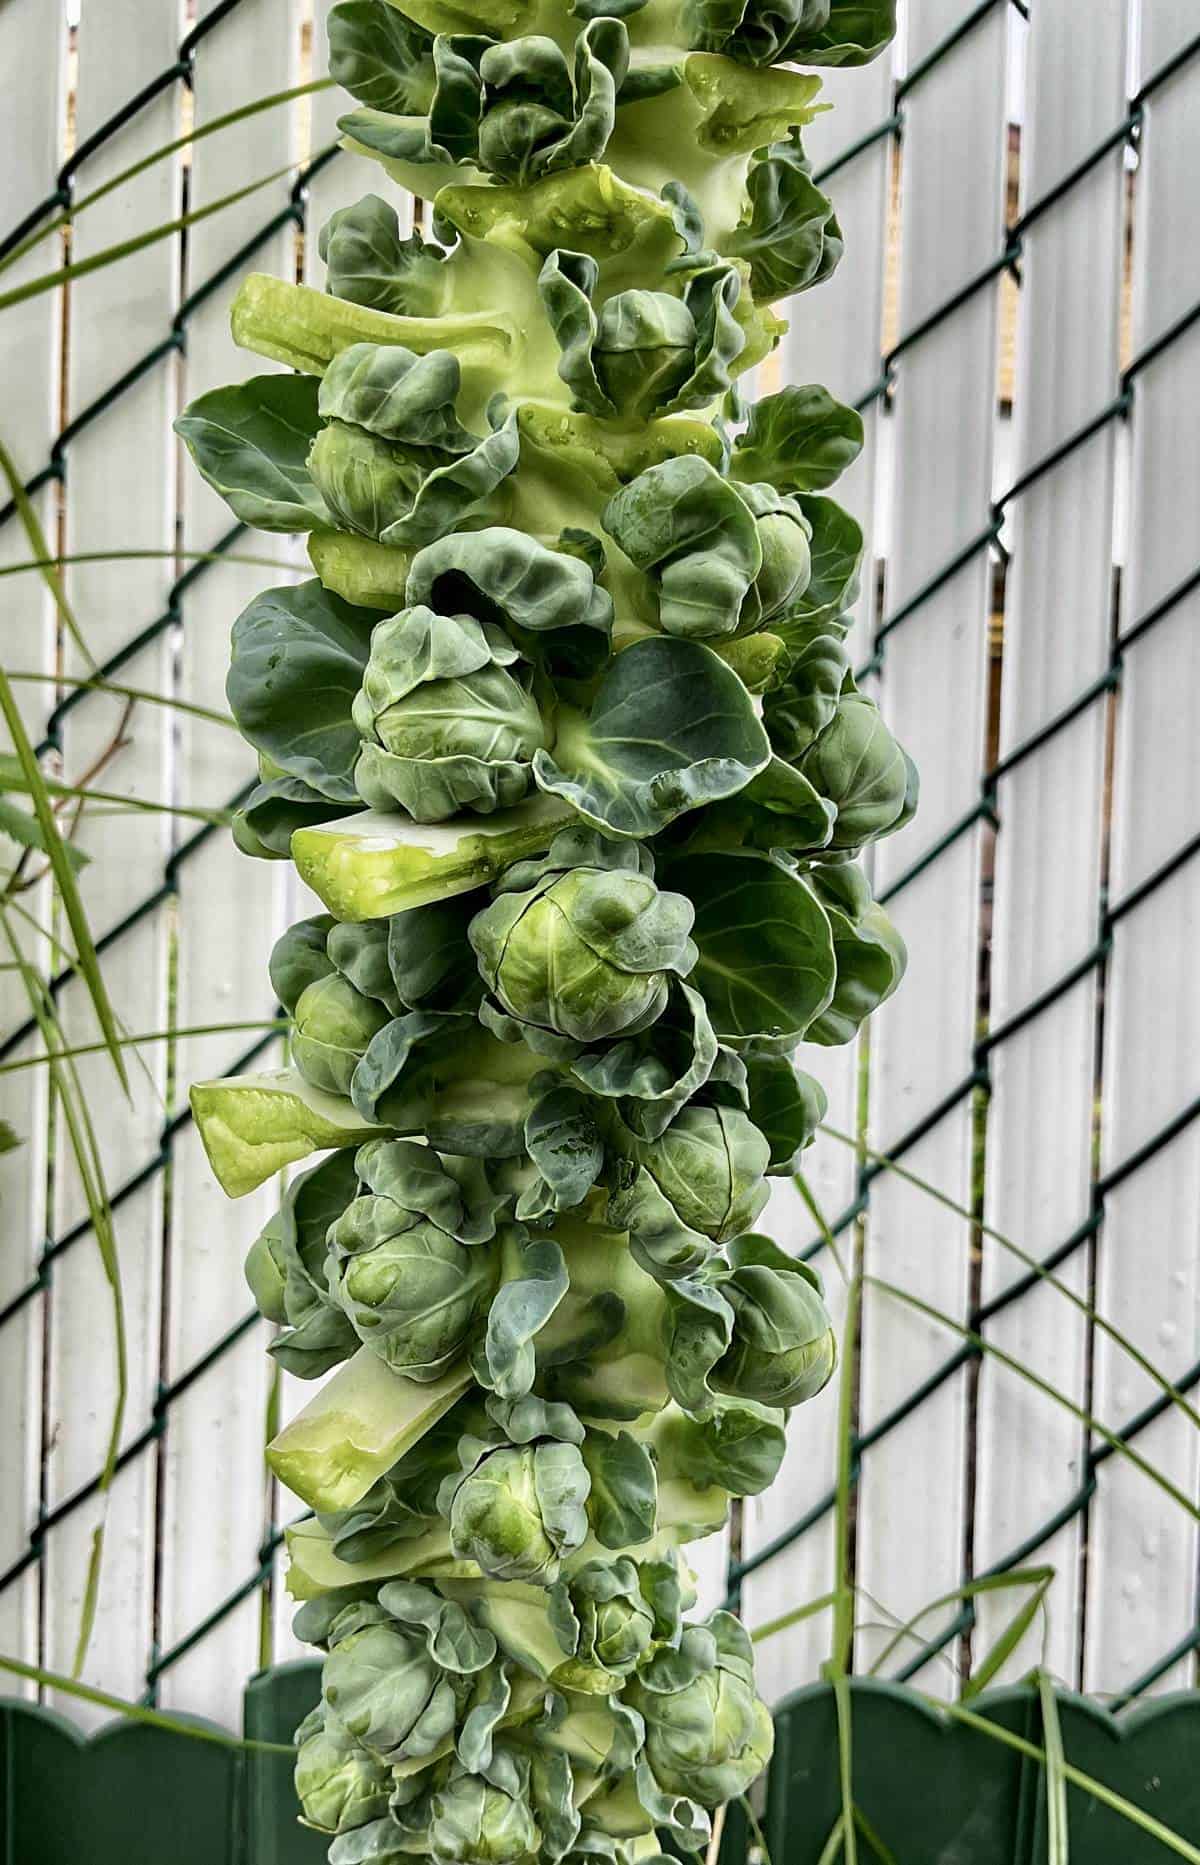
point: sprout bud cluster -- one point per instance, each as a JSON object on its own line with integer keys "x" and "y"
{"x": 563, "y": 733}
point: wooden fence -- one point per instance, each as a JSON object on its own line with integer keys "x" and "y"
{"x": 1019, "y": 316}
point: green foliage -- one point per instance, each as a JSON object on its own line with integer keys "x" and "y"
{"x": 564, "y": 736}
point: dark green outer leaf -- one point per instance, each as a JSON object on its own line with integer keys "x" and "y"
{"x": 799, "y": 440}
{"x": 786, "y": 1105}
{"x": 624, "y": 1496}
{"x": 251, "y": 442}
{"x": 565, "y": 1145}
{"x": 369, "y": 263}
{"x": 766, "y": 965}
{"x": 791, "y": 237}
{"x": 836, "y": 548}
{"x": 299, "y": 957}
{"x": 870, "y": 953}
{"x": 298, "y": 659}
{"x": 535, "y": 1282}
{"x": 501, "y": 574}
{"x": 671, "y": 728}
{"x": 271, "y": 814}
{"x": 686, "y": 528}
{"x": 380, "y": 57}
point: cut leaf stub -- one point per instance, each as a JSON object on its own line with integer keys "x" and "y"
{"x": 563, "y": 735}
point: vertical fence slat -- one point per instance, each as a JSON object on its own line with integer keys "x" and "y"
{"x": 834, "y": 339}
{"x": 911, "y": 1503}
{"x": 30, "y": 152}
{"x": 118, "y": 495}
{"x": 230, "y": 912}
{"x": 1057, "y": 618}
{"x": 1142, "y": 1549}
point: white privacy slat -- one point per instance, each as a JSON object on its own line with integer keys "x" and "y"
{"x": 119, "y": 494}
{"x": 1142, "y": 1549}
{"x": 834, "y": 339}
{"x": 910, "y": 1538}
{"x": 30, "y": 152}
{"x": 1047, "y": 872}
{"x": 230, "y": 912}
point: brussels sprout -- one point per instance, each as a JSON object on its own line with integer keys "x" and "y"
{"x": 736, "y": 1444}
{"x": 519, "y": 1511}
{"x": 412, "y": 1294}
{"x": 644, "y": 352}
{"x": 859, "y": 766}
{"x": 517, "y": 1508}
{"x": 708, "y": 1167}
{"x": 783, "y": 537}
{"x": 722, "y": 558}
{"x": 366, "y": 482}
{"x": 368, "y": 261}
{"x": 339, "y": 1784}
{"x": 514, "y": 110}
{"x": 286, "y": 1270}
{"x": 266, "y": 1271}
{"x": 783, "y": 1348}
{"x": 602, "y": 1622}
{"x": 299, "y": 958}
{"x": 475, "y": 1823}
{"x": 588, "y": 949}
{"x": 385, "y": 1688}
{"x": 707, "y": 1735}
{"x": 390, "y": 391}
{"x": 334, "y": 1025}
{"x": 446, "y": 724}
{"x": 400, "y": 1670}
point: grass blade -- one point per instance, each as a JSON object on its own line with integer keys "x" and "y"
{"x": 86, "y": 1153}
{"x": 64, "y": 877}
{"x": 883, "y": 1853}
{"x": 146, "y": 1036}
{"x": 1058, "y": 1844}
{"x": 31, "y": 525}
{"x": 771, "y": 1628}
{"x": 1177, "y": 1398}
{"x": 141, "y": 556}
{"x": 118, "y": 691}
{"x": 137, "y": 1712}
{"x": 833, "y": 1845}
{"x": 1145, "y": 1822}
{"x": 161, "y": 154}
{"x": 15, "y": 774}
{"x": 1008, "y": 1642}
{"x": 1039, "y": 1577}
{"x": 1025, "y": 1372}
{"x": 845, "y": 1724}
{"x": 124, "y": 249}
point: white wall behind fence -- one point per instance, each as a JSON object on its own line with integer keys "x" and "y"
{"x": 1039, "y": 1066}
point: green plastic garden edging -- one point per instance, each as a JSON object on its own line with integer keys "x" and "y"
{"x": 932, "y": 1791}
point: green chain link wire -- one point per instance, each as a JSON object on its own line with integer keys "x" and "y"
{"x": 985, "y": 809}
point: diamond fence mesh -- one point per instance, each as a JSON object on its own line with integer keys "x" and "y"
{"x": 1149, "y": 599}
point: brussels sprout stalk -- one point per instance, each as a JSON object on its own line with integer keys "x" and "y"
{"x": 562, "y": 733}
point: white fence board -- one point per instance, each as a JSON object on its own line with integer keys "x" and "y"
{"x": 1047, "y": 873}
{"x": 117, "y": 482}
{"x": 834, "y": 338}
{"x": 933, "y": 687}
{"x": 1143, "y": 1550}
{"x": 922, "y": 489}
{"x": 31, "y": 131}
{"x": 230, "y": 912}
